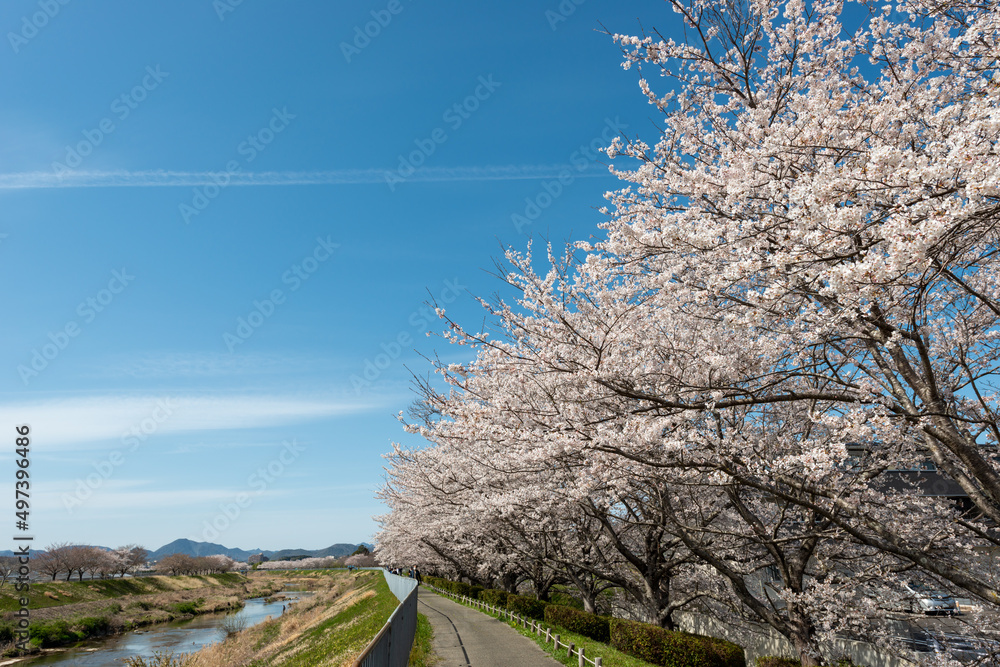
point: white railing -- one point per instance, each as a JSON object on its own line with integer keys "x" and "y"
{"x": 529, "y": 624}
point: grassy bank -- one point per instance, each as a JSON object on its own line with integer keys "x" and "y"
{"x": 422, "y": 654}
{"x": 328, "y": 628}
{"x": 58, "y": 593}
{"x": 64, "y": 613}
{"x": 331, "y": 627}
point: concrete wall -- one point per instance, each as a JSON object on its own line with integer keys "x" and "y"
{"x": 758, "y": 640}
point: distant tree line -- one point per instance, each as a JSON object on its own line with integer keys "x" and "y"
{"x": 185, "y": 564}
{"x": 309, "y": 563}
{"x": 73, "y": 559}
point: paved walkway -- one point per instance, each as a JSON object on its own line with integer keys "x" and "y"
{"x": 464, "y": 637}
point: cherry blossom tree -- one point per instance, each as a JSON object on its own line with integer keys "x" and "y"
{"x": 791, "y": 315}
{"x": 129, "y": 558}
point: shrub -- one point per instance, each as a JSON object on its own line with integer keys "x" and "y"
{"x": 233, "y": 625}
{"x": 165, "y": 659}
{"x": 92, "y": 626}
{"x": 775, "y": 661}
{"x": 494, "y": 597}
{"x": 526, "y": 606}
{"x": 581, "y": 622}
{"x": 185, "y": 607}
{"x": 459, "y": 588}
{"x": 673, "y": 649}
{"x": 474, "y": 591}
{"x": 51, "y": 633}
{"x": 565, "y": 600}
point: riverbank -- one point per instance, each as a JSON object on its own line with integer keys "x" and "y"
{"x": 330, "y": 627}
{"x": 63, "y": 613}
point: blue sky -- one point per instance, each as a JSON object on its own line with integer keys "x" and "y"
{"x": 217, "y": 216}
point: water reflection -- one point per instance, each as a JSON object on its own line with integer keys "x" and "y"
{"x": 185, "y": 636}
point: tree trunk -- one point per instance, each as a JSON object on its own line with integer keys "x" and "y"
{"x": 801, "y": 636}
{"x": 509, "y": 582}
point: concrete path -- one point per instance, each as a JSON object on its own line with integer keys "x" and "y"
{"x": 464, "y": 637}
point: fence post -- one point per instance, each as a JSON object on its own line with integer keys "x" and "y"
{"x": 597, "y": 662}
{"x": 548, "y": 636}
{"x": 555, "y": 643}
{"x": 583, "y": 660}
{"x": 569, "y": 654}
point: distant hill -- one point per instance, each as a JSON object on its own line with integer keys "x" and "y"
{"x": 192, "y": 548}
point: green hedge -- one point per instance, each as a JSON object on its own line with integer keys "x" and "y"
{"x": 526, "y": 606}
{"x": 673, "y": 649}
{"x": 775, "y": 661}
{"x": 581, "y": 622}
{"x": 459, "y": 588}
{"x": 474, "y": 591}
{"x": 494, "y": 597}
{"x": 565, "y": 600}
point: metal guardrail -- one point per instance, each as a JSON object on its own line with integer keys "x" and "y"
{"x": 391, "y": 646}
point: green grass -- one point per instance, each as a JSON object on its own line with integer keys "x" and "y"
{"x": 610, "y": 657}
{"x": 422, "y": 653}
{"x": 190, "y": 607}
{"x": 65, "y": 631}
{"x": 269, "y": 632}
{"x": 351, "y": 630}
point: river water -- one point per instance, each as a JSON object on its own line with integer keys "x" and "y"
{"x": 185, "y": 636}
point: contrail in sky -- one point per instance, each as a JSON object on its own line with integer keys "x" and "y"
{"x": 169, "y": 179}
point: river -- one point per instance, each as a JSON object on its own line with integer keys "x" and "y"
{"x": 184, "y": 636}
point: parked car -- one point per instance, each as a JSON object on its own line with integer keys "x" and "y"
{"x": 929, "y": 601}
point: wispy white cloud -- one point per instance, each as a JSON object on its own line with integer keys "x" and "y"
{"x": 206, "y": 364}
{"x": 164, "y": 178}
{"x": 120, "y": 498}
{"x": 68, "y": 423}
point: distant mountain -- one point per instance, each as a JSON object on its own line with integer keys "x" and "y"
{"x": 192, "y": 548}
